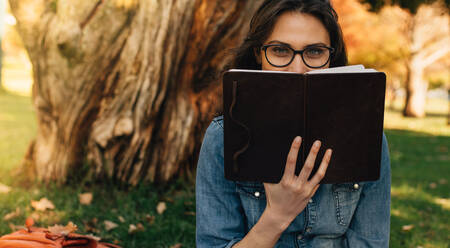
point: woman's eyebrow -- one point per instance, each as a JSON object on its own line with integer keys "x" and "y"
{"x": 278, "y": 42}
{"x": 316, "y": 44}
{"x": 287, "y": 44}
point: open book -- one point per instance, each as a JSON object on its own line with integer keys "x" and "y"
{"x": 343, "y": 107}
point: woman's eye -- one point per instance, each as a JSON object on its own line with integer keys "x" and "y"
{"x": 280, "y": 50}
{"x": 315, "y": 51}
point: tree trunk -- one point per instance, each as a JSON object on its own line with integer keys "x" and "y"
{"x": 416, "y": 90}
{"x": 429, "y": 38}
{"x": 125, "y": 88}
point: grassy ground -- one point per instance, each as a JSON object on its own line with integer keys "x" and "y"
{"x": 420, "y": 188}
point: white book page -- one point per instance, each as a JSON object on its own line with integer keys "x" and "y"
{"x": 343, "y": 69}
{"x": 340, "y": 69}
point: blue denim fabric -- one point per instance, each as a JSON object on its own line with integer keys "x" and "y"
{"x": 339, "y": 215}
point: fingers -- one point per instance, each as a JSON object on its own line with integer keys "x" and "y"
{"x": 320, "y": 173}
{"x": 309, "y": 163}
{"x": 291, "y": 161}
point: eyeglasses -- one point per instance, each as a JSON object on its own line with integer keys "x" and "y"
{"x": 280, "y": 55}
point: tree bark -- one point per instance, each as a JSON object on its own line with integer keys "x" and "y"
{"x": 125, "y": 88}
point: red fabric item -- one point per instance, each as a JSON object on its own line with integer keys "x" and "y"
{"x": 43, "y": 238}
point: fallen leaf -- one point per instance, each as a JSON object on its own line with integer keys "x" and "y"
{"x": 135, "y": 228}
{"x": 176, "y": 245}
{"x": 442, "y": 181}
{"x": 132, "y": 228}
{"x": 407, "y": 227}
{"x": 161, "y": 207}
{"x": 188, "y": 203}
{"x": 140, "y": 227}
{"x": 4, "y": 188}
{"x": 93, "y": 237}
{"x": 191, "y": 213}
{"x": 109, "y": 225}
{"x": 85, "y": 198}
{"x": 63, "y": 230}
{"x": 433, "y": 185}
{"x": 12, "y": 215}
{"x": 150, "y": 219}
{"x": 42, "y": 205}
{"x": 121, "y": 219}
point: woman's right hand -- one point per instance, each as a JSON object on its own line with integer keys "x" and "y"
{"x": 288, "y": 198}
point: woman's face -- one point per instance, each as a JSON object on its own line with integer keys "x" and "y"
{"x": 297, "y": 30}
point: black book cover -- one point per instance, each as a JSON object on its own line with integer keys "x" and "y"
{"x": 264, "y": 111}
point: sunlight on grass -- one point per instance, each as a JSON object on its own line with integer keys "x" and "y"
{"x": 445, "y": 203}
{"x": 435, "y": 122}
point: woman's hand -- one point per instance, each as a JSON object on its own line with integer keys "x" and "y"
{"x": 289, "y": 197}
{"x": 286, "y": 199}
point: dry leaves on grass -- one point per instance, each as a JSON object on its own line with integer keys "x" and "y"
{"x": 4, "y": 189}
{"x": 161, "y": 207}
{"x": 63, "y": 230}
{"x": 12, "y": 215}
{"x": 109, "y": 225}
{"x": 176, "y": 245}
{"x": 42, "y": 205}
{"x": 85, "y": 198}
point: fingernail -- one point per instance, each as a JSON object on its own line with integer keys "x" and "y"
{"x": 317, "y": 143}
{"x": 297, "y": 139}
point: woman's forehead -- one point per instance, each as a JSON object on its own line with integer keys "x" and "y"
{"x": 299, "y": 30}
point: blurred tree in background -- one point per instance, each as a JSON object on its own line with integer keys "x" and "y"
{"x": 403, "y": 38}
{"x": 125, "y": 88}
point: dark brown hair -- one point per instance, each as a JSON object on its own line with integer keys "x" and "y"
{"x": 265, "y": 18}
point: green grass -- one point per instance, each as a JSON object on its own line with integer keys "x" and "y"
{"x": 420, "y": 187}
{"x": 137, "y": 205}
{"x": 17, "y": 128}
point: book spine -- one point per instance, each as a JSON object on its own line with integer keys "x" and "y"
{"x": 305, "y": 114}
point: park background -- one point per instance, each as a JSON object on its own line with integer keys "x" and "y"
{"x": 103, "y": 105}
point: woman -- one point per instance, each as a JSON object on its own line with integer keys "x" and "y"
{"x": 296, "y": 36}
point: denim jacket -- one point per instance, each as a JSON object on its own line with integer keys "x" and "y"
{"x": 338, "y": 215}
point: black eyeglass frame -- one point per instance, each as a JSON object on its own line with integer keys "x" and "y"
{"x": 264, "y": 47}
